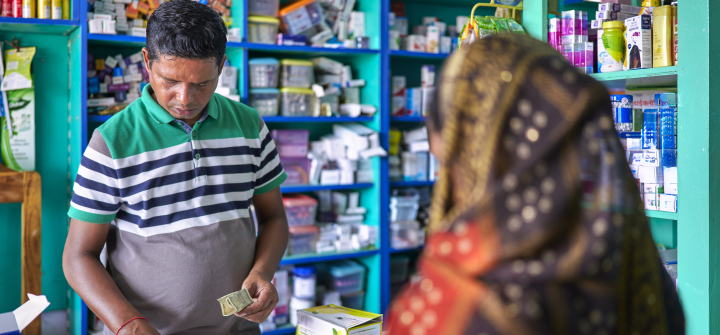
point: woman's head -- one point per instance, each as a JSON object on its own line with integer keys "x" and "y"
{"x": 501, "y": 103}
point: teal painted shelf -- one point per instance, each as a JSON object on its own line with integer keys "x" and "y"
{"x": 661, "y": 215}
{"x": 327, "y": 257}
{"x": 658, "y": 78}
{"x": 636, "y": 74}
{"x": 38, "y": 26}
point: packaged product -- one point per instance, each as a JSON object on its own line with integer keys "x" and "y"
{"x": 475, "y": 29}
{"x": 332, "y": 319}
{"x": 17, "y": 142}
{"x": 611, "y": 47}
{"x": 17, "y": 68}
{"x": 638, "y": 36}
{"x": 663, "y": 45}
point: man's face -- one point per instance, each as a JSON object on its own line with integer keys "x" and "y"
{"x": 183, "y": 87}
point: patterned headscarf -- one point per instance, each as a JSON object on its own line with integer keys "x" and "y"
{"x": 550, "y": 236}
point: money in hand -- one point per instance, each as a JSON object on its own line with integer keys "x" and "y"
{"x": 235, "y": 302}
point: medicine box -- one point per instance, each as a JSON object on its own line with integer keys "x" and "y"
{"x": 651, "y": 201}
{"x": 668, "y": 203}
{"x": 432, "y": 39}
{"x": 413, "y": 106}
{"x": 638, "y": 36}
{"x": 652, "y": 188}
{"x": 332, "y": 319}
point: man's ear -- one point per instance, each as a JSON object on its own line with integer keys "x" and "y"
{"x": 220, "y": 68}
{"x": 146, "y": 57}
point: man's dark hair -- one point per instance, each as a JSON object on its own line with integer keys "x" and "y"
{"x": 186, "y": 29}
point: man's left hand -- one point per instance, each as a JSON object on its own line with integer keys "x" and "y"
{"x": 264, "y": 295}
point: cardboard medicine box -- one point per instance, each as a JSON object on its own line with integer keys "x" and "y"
{"x": 337, "y": 320}
{"x": 638, "y": 35}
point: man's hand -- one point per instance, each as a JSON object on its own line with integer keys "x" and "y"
{"x": 264, "y": 295}
{"x": 138, "y": 327}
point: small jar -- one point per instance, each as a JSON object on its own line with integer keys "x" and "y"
{"x": 304, "y": 282}
{"x": 611, "y": 47}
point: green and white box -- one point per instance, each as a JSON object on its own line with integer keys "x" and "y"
{"x": 18, "y": 144}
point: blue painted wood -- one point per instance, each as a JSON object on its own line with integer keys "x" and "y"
{"x": 395, "y": 251}
{"x": 385, "y": 91}
{"x": 40, "y": 22}
{"x": 415, "y": 54}
{"x": 315, "y": 188}
{"x": 274, "y": 119}
{"x": 319, "y": 258}
{"x": 412, "y": 183}
{"x": 282, "y": 330}
{"x": 290, "y": 119}
{"x": 300, "y": 49}
{"x": 407, "y": 119}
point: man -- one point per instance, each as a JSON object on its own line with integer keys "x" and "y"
{"x": 167, "y": 184}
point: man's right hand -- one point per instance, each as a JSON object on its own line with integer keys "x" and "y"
{"x": 138, "y": 327}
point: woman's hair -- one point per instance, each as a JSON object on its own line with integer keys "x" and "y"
{"x": 435, "y": 117}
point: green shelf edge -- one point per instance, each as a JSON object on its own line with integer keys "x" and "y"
{"x": 636, "y": 74}
{"x": 661, "y": 215}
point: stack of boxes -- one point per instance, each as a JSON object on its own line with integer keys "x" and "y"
{"x": 410, "y": 159}
{"x": 432, "y": 36}
{"x": 341, "y": 158}
{"x": 129, "y": 17}
{"x": 609, "y": 11}
{"x": 653, "y": 156}
{"x": 115, "y": 80}
{"x": 569, "y": 35}
{"x": 321, "y": 23}
{"x": 413, "y": 101}
{"x": 341, "y": 223}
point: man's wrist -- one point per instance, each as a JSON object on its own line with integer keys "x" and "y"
{"x": 131, "y": 325}
{"x": 263, "y": 274}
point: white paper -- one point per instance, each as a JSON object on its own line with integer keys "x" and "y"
{"x": 30, "y": 310}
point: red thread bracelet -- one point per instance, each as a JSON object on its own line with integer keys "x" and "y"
{"x": 128, "y": 321}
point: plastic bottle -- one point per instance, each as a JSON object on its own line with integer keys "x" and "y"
{"x": 611, "y": 47}
{"x": 675, "y": 35}
{"x": 304, "y": 282}
{"x": 663, "y": 45}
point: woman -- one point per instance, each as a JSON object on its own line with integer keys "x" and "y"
{"x": 536, "y": 224}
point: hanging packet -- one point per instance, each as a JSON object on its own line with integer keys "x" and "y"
{"x": 17, "y": 142}
{"x": 17, "y": 69}
{"x": 474, "y": 29}
{"x": 514, "y": 27}
{"x": 500, "y": 24}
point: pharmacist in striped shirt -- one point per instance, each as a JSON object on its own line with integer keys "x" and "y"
{"x": 167, "y": 184}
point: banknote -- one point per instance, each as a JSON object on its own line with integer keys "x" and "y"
{"x": 235, "y": 302}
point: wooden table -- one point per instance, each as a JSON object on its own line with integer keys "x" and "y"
{"x": 25, "y": 187}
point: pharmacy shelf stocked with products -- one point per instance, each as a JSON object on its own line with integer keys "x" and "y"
{"x": 400, "y": 39}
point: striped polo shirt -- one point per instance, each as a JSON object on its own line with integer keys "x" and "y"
{"x": 178, "y": 198}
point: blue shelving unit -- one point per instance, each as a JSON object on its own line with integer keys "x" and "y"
{"x": 395, "y": 251}
{"x": 319, "y": 258}
{"x": 416, "y": 54}
{"x": 274, "y": 119}
{"x": 418, "y": 119}
{"x": 315, "y": 188}
{"x": 301, "y": 49}
{"x": 283, "y": 330}
{"x": 412, "y": 183}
